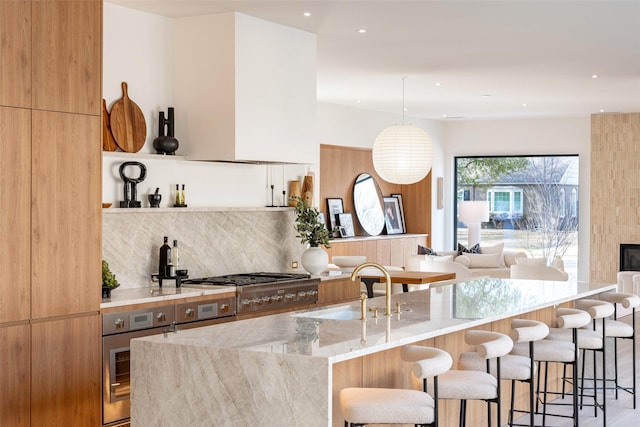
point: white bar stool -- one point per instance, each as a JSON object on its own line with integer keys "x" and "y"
{"x": 620, "y": 330}
{"x": 565, "y": 352}
{"x": 362, "y": 406}
{"x": 466, "y": 385}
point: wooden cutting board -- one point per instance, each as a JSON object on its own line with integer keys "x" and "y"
{"x": 128, "y": 125}
{"x": 108, "y": 143}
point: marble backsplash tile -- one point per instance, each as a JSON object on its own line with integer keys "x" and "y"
{"x": 211, "y": 242}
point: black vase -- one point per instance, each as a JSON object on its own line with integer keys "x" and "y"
{"x": 166, "y": 144}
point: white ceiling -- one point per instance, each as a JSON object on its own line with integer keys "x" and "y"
{"x": 488, "y": 57}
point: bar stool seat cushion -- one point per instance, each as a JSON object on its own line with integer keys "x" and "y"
{"x": 587, "y": 339}
{"x": 547, "y": 351}
{"x": 616, "y": 329}
{"x": 627, "y": 300}
{"x": 512, "y": 367}
{"x": 386, "y": 406}
{"x": 466, "y": 385}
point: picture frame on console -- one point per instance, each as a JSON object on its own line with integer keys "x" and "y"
{"x": 392, "y": 215}
{"x": 399, "y": 197}
{"x": 345, "y": 222}
{"x": 334, "y": 207}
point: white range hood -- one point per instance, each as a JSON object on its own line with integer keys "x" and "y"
{"x": 245, "y": 90}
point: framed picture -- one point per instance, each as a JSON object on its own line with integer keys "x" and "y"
{"x": 392, "y": 216}
{"x": 334, "y": 207}
{"x": 321, "y": 219}
{"x": 345, "y": 221}
{"x": 404, "y": 224}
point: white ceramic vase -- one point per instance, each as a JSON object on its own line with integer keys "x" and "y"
{"x": 314, "y": 260}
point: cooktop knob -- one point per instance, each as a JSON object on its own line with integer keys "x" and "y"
{"x": 160, "y": 317}
{"x": 118, "y": 323}
{"x": 245, "y": 302}
{"x": 189, "y": 313}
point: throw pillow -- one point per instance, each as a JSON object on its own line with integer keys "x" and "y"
{"x": 422, "y": 250}
{"x": 475, "y": 249}
{"x": 485, "y": 260}
{"x": 495, "y": 249}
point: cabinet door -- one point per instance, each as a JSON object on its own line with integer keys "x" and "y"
{"x": 67, "y": 55}
{"x": 15, "y": 376}
{"x": 15, "y": 209}
{"x": 66, "y": 275}
{"x": 66, "y": 372}
{"x": 15, "y": 53}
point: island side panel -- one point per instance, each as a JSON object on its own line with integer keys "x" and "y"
{"x": 203, "y": 386}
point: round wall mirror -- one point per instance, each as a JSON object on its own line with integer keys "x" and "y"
{"x": 367, "y": 202}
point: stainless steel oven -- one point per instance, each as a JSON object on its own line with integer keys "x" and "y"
{"x": 118, "y": 329}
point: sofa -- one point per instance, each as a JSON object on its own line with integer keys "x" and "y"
{"x": 491, "y": 261}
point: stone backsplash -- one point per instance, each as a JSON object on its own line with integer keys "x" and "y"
{"x": 212, "y": 241}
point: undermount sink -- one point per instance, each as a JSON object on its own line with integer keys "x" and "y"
{"x": 337, "y": 313}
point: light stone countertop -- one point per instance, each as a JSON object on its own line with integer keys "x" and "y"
{"x": 424, "y": 314}
{"x": 149, "y": 294}
{"x": 277, "y": 371}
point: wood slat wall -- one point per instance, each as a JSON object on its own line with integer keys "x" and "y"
{"x": 614, "y": 191}
{"x": 339, "y": 167}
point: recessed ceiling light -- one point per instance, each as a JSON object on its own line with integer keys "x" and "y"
{"x": 362, "y": 31}
{"x": 444, "y": 116}
{"x": 594, "y": 76}
{"x": 602, "y": 110}
{"x": 486, "y": 95}
{"x": 358, "y": 101}
{"x": 438, "y": 84}
{"x": 307, "y": 14}
{"x": 524, "y": 105}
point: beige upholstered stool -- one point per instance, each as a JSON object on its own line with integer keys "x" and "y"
{"x": 361, "y": 406}
{"x": 466, "y": 385}
{"x": 619, "y": 330}
{"x": 554, "y": 351}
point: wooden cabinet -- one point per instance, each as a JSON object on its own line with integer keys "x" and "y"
{"x": 15, "y": 387}
{"x": 67, "y": 55}
{"x": 249, "y": 92}
{"x": 337, "y": 291}
{"x": 15, "y": 53}
{"x": 66, "y": 214}
{"x": 66, "y": 355}
{"x": 50, "y": 220}
{"x": 15, "y": 224}
{"x": 385, "y": 250}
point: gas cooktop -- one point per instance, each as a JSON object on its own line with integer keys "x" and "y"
{"x": 246, "y": 279}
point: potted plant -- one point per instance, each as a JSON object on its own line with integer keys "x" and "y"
{"x": 109, "y": 280}
{"x": 312, "y": 231}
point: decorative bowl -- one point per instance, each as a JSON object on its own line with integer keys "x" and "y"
{"x": 106, "y": 291}
{"x": 348, "y": 263}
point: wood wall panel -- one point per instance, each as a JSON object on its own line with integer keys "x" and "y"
{"x": 390, "y": 251}
{"x": 15, "y": 213}
{"x": 15, "y": 53}
{"x": 66, "y": 365}
{"x": 614, "y": 191}
{"x": 15, "y": 388}
{"x": 67, "y": 56}
{"x": 66, "y": 214}
{"x": 339, "y": 167}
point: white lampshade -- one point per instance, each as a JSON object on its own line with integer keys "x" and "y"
{"x": 474, "y": 211}
{"x": 402, "y": 154}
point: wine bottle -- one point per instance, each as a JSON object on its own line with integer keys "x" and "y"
{"x": 165, "y": 256}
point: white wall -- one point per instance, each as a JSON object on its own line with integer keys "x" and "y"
{"x": 137, "y": 49}
{"x": 518, "y": 137}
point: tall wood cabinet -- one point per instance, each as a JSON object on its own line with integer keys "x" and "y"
{"x": 50, "y": 219}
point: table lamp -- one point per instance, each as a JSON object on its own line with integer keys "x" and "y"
{"x": 472, "y": 213}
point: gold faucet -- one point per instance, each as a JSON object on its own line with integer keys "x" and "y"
{"x": 387, "y": 311}
{"x": 363, "y": 306}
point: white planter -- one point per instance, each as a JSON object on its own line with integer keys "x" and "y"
{"x": 314, "y": 260}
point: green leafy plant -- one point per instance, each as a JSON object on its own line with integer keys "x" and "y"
{"x": 308, "y": 226}
{"x": 109, "y": 279}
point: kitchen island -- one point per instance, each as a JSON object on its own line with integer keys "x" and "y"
{"x": 286, "y": 369}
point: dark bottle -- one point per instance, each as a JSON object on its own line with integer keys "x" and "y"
{"x": 165, "y": 256}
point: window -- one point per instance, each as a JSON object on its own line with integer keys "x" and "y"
{"x": 533, "y": 204}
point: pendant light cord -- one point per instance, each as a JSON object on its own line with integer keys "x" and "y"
{"x": 403, "y": 79}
